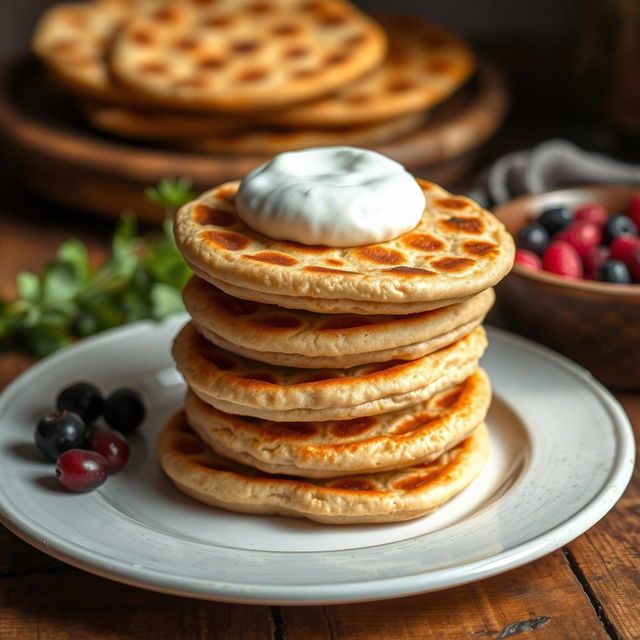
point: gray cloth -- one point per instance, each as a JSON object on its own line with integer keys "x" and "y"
{"x": 551, "y": 165}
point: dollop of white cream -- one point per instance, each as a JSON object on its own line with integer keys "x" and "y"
{"x": 334, "y": 196}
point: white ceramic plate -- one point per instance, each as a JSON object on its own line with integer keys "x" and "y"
{"x": 562, "y": 454}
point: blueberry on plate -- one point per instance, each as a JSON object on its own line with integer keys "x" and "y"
{"x": 58, "y": 432}
{"x": 555, "y": 219}
{"x": 82, "y": 398}
{"x": 614, "y": 271}
{"x": 618, "y": 225}
{"x": 534, "y": 237}
{"x": 124, "y": 410}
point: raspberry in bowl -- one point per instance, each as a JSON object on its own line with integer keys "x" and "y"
{"x": 578, "y": 289}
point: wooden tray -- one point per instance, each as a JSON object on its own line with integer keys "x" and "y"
{"x": 58, "y": 156}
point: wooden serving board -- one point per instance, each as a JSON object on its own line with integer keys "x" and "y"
{"x": 60, "y": 157}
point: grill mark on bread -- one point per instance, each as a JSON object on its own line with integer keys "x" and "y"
{"x": 457, "y": 204}
{"x": 273, "y": 257}
{"x": 318, "y": 269}
{"x": 423, "y": 242}
{"x": 380, "y": 255}
{"x": 465, "y": 225}
{"x": 481, "y": 248}
{"x": 452, "y": 263}
{"x": 225, "y": 240}
{"x": 277, "y": 321}
{"x": 341, "y": 323}
{"x": 352, "y": 428}
{"x": 414, "y": 423}
{"x": 204, "y": 214}
{"x": 353, "y": 484}
{"x": 411, "y": 271}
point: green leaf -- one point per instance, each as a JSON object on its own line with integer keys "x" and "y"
{"x": 28, "y": 286}
{"x": 165, "y": 301}
{"x": 74, "y": 253}
{"x": 171, "y": 193}
{"x": 60, "y": 283}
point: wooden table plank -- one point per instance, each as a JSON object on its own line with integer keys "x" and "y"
{"x": 543, "y": 598}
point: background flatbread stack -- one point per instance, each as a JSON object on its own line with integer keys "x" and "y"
{"x": 337, "y": 384}
{"x": 252, "y": 76}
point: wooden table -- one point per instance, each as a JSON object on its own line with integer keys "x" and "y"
{"x": 589, "y": 589}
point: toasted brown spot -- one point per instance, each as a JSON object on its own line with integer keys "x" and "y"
{"x": 217, "y": 466}
{"x": 288, "y": 430}
{"x": 304, "y": 74}
{"x": 225, "y": 240}
{"x": 449, "y": 398}
{"x": 414, "y": 482}
{"x": 336, "y": 58}
{"x": 259, "y": 8}
{"x": 351, "y": 428}
{"x": 142, "y": 37}
{"x": 245, "y": 46}
{"x": 260, "y": 376}
{"x": 452, "y": 264}
{"x": 333, "y": 262}
{"x": 204, "y": 214}
{"x": 332, "y": 19}
{"x": 379, "y": 255}
{"x": 273, "y": 257}
{"x": 203, "y": 3}
{"x": 413, "y": 423}
{"x": 195, "y": 82}
{"x": 186, "y": 44}
{"x": 296, "y": 52}
{"x": 305, "y": 248}
{"x": 253, "y": 75}
{"x": 153, "y": 67}
{"x": 400, "y": 86}
{"x": 424, "y": 184}
{"x": 423, "y": 242}
{"x": 411, "y": 271}
{"x": 316, "y": 376}
{"x": 356, "y": 39}
{"x": 285, "y": 29}
{"x": 237, "y": 306}
{"x": 437, "y": 66}
{"x": 344, "y": 322}
{"x": 466, "y": 225}
{"x": 352, "y": 484}
{"x": 316, "y": 269}
{"x": 211, "y": 62}
{"x": 222, "y": 362}
{"x": 189, "y": 447}
{"x": 480, "y": 248}
{"x": 278, "y": 321}
{"x": 458, "y": 204}
{"x": 75, "y": 19}
{"x": 311, "y": 5}
{"x": 219, "y": 21}
{"x": 166, "y": 14}
{"x": 359, "y": 98}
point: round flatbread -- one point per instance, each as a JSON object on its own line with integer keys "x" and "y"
{"x": 417, "y": 434}
{"x": 291, "y": 338}
{"x": 235, "y": 384}
{"x": 264, "y": 53}
{"x": 73, "y": 40}
{"x": 425, "y": 64}
{"x": 457, "y": 250}
{"x": 388, "y": 496}
{"x": 269, "y": 140}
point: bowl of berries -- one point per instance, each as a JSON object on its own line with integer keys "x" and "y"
{"x": 575, "y": 284}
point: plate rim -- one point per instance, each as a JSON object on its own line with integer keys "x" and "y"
{"x": 371, "y": 589}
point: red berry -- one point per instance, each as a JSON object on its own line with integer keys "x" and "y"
{"x": 634, "y": 210}
{"x": 592, "y": 261}
{"x": 561, "y": 258}
{"x": 624, "y": 247}
{"x": 112, "y": 445}
{"x": 80, "y": 470}
{"x": 582, "y": 236}
{"x": 595, "y": 213}
{"x": 528, "y": 259}
{"x": 634, "y": 267}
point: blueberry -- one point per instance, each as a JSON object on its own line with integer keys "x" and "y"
{"x": 534, "y": 237}
{"x": 618, "y": 225}
{"x": 59, "y": 431}
{"x": 82, "y": 398}
{"x": 555, "y": 219}
{"x": 124, "y": 410}
{"x": 614, "y": 271}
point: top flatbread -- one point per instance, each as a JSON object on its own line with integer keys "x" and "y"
{"x": 425, "y": 64}
{"x": 244, "y": 56}
{"x": 457, "y": 250}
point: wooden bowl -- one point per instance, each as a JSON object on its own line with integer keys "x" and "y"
{"x": 597, "y": 324}
{"x": 63, "y": 159}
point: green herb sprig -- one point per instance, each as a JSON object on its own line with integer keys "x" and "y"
{"x": 142, "y": 278}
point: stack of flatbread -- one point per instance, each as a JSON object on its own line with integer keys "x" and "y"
{"x": 249, "y": 76}
{"x": 338, "y": 384}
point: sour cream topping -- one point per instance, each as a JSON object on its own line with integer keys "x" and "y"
{"x": 334, "y": 196}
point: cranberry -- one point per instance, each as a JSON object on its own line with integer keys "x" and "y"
{"x": 595, "y": 213}
{"x": 592, "y": 261}
{"x": 80, "y": 470}
{"x": 112, "y": 445}
{"x": 634, "y": 210}
{"x": 582, "y": 236}
{"x": 623, "y": 248}
{"x": 561, "y": 258}
{"x": 528, "y": 259}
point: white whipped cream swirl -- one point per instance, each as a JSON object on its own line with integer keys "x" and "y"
{"x": 334, "y": 196}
